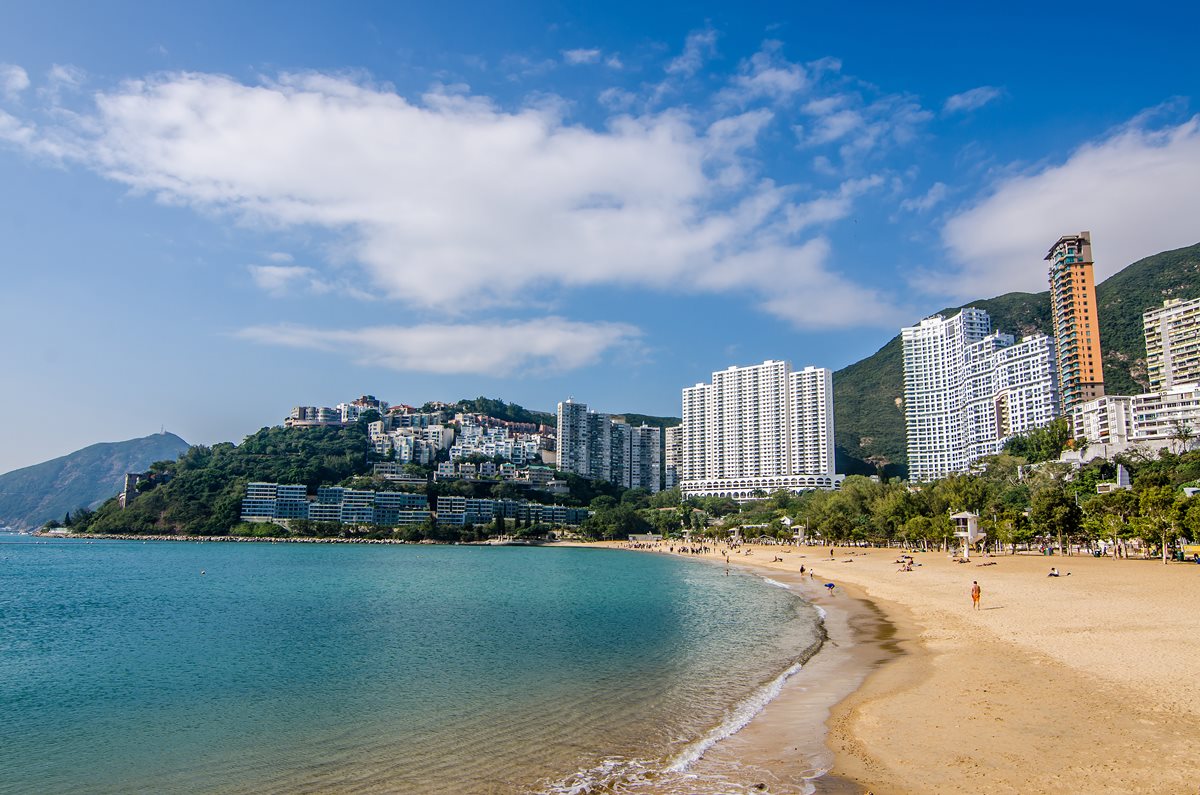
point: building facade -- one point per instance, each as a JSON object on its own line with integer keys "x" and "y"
{"x": 593, "y": 445}
{"x": 273, "y": 501}
{"x": 758, "y": 429}
{"x": 935, "y": 419}
{"x": 1104, "y": 421}
{"x": 968, "y": 390}
{"x": 1011, "y": 387}
{"x": 459, "y": 511}
{"x": 1172, "y": 343}
{"x": 672, "y": 455}
{"x": 1076, "y": 320}
{"x": 645, "y": 457}
{"x": 1168, "y": 415}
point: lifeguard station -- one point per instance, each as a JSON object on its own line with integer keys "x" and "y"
{"x": 966, "y": 527}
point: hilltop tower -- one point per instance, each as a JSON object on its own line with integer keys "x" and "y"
{"x": 1076, "y": 320}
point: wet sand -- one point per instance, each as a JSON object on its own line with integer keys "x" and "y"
{"x": 1085, "y": 683}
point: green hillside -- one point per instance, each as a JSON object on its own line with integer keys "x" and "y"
{"x": 494, "y": 407}
{"x": 1124, "y": 296}
{"x": 201, "y": 492}
{"x": 869, "y": 417}
{"x": 83, "y": 479}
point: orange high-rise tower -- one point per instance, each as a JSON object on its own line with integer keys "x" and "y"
{"x": 1076, "y": 322}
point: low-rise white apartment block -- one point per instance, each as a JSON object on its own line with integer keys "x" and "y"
{"x": 476, "y": 439}
{"x": 352, "y": 411}
{"x": 1105, "y": 421}
{"x": 758, "y": 429}
{"x": 1168, "y": 416}
{"x": 312, "y": 417}
{"x": 409, "y": 445}
{"x": 1172, "y": 343}
{"x": 278, "y": 501}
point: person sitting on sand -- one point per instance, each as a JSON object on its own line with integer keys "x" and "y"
{"x": 1054, "y": 572}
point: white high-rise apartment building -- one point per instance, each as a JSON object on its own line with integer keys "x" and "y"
{"x": 593, "y": 445}
{"x": 966, "y": 391}
{"x": 645, "y": 457}
{"x": 672, "y": 455}
{"x": 1011, "y": 388}
{"x": 935, "y": 418}
{"x": 756, "y": 430}
{"x": 572, "y": 437}
{"x": 1172, "y": 343}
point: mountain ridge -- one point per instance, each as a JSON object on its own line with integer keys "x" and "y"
{"x": 85, "y": 478}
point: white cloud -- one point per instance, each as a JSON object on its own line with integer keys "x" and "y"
{"x": 971, "y": 100}
{"x": 832, "y": 207}
{"x": 766, "y": 74}
{"x": 581, "y": 56}
{"x": 280, "y": 256}
{"x": 934, "y": 196}
{"x": 503, "y": 349}
{"x": 858, "y": 125}
{"x": 1134, "y": 190}
{"x": 60, "y": 79}
{"x": 279, "y": 279}
{"x": 453, "y": 202}
{"x": 617, "y": 99}
{"x": 13, "y": 81}
{"x": 700, "y": 44}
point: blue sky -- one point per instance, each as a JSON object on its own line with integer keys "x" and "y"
{"x": 211, "y": 214}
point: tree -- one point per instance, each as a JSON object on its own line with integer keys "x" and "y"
{"x": 1014, "y": 527}
{"x": 1181, "y": 435}
{"x": 1113, "y": 512}
{"x": 1041, "y": 444}
{"x": 636, "y": 498}
{"x": 603, "y": 502}
{"x": 1156, "y": 505}
{"x": 1054, "y": 512}
{"x": 667, "y": 498}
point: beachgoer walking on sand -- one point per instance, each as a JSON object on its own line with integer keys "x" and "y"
{"x": 976, "y": 591}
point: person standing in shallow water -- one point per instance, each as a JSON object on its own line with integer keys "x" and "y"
{"x": 976, "y": 591}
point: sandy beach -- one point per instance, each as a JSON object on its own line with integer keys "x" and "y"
{"x": 1082, "y": 683}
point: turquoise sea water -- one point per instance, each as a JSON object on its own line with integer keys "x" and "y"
{"x": 346, "y": 668}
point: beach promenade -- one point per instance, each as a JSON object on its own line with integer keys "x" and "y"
{"x": 1084, "y": 683}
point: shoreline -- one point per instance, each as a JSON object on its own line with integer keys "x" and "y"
{"x": 1073, "y": 684}
{"x": 286, "y": 540}
{"x": 787, "y": 744}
